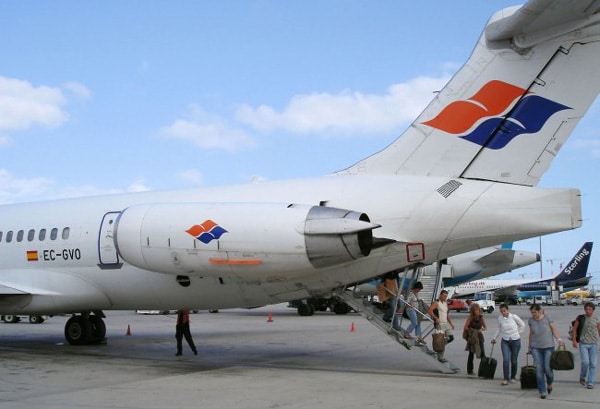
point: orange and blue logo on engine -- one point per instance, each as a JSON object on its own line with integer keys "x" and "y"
{"x": 498, "y": 112}
{"x": 207, "y": 231}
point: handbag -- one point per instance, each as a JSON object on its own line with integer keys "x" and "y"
{"x": 438, "y": 343}
{"x": 424, "y": 310}
{"x": 561, "y": 359}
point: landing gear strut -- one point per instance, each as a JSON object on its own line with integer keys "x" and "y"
{"x": 86, "y": 329}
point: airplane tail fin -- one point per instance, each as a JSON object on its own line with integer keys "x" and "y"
{"x": 507, "y": 112}
{"x": 578, "y": 266}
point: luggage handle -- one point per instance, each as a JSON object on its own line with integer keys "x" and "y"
{"x": 492, "y": 351}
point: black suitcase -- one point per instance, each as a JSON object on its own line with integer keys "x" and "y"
{"x": 487, "y": 366}
{"x": 528, "y": 379}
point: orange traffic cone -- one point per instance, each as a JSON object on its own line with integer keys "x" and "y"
{"x": 128, "y": 330}
{"x": 270, "y": 319}
{"x": 352, "y": 327}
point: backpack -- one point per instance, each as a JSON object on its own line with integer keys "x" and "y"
{"x": 580, "y": 319}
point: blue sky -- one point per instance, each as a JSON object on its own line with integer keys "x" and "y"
{"x": 115, "y": 96}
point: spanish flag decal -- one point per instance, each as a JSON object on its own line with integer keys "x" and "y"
{"x": 32, "y": 255}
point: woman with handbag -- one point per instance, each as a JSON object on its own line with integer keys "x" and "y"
{"x": 542, "y": 332}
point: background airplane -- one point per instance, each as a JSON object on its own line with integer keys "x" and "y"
{"x": 573, "y": 276}
{"x": 463, "y": 176}
{"x": 465, "y": 267}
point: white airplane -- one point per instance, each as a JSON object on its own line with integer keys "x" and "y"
{"x": 573, "y": 276}
{"x": 473, "y": 265}
{"x": 488, "y": 262}
{"x": 461, "y": 177}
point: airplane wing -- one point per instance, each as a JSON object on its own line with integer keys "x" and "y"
{"x": 5, "y": 290}
{"x": 500, "y": 256}
{"x": 507, "y": 291}
{"x": 539, "y": 20}
{"x": 46, "y": 291}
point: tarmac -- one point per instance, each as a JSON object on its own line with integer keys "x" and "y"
{"x": 245, "y": 361}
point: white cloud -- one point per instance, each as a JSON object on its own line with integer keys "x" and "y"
{"x": 17, "y": 190}
{"x": 13, "y": 189}
{"x": 138, "y": 186}
{"x": 81, "y": 191}
{"x": 78, "y": 89}
{"x": 345, "y": 113}
{"x": 348, "y": 112}
{"x": 591, "y": 146}
{"x": 207, "y": 131}
{"x": 23, "y": 105}
{"x": 191, "y": 176}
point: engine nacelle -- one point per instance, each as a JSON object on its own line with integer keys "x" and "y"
{"x": 246, "y": 239}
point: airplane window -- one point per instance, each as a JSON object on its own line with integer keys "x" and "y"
{"x": 20, "y": 235}
{"x": 9, "y": 235}
{"x": 65, "y": 233}
{"x": 53, "y": 233}
{"x": 30, "y": 235}
{"x": 42, "y": 235}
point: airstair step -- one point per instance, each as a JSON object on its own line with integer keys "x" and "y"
{"x": 375, "y": 316}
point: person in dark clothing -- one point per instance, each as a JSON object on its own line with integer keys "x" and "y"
{"x": 472, "y": 333}
{"x": 182, "y": 329}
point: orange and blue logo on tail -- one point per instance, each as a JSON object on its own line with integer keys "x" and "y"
{"x": 207, "y": 231}
{"x": 499, "y": 111}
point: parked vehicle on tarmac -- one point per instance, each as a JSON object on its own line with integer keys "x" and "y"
{"x": 458, "y": 305}
{"x": 486, "y": 301}
{"x": 13, "y": 319}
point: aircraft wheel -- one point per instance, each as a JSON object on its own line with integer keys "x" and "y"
{"x": 78, "y": 330}
{"x": 305, "y": 310}
{"x": 98, "y": 328}
{"x": 11, "y": 319}
{"x": 341, "y": 308}
{"x": 36, "y": 319}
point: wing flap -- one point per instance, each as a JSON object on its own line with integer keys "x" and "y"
{"x": 7, "y": 290}
{"x": 46, "y": 291}
{"x": 500, "y": 256}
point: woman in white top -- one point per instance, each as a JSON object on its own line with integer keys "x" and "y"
{"x": 510, "y": 327}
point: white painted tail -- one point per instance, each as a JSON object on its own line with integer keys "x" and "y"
{"x": 507, "y": 112}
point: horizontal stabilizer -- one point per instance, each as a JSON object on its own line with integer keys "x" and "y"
{"x": 539, "y": 20}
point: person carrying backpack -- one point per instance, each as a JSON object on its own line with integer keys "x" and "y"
{"x": 586, "y": 334}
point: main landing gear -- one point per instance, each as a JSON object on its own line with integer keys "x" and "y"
{"x": 86, "y": 329}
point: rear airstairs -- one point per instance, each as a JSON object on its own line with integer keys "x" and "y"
{"x": 375, "y": 315}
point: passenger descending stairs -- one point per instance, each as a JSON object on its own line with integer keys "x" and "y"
{"x": 372, "y": 312}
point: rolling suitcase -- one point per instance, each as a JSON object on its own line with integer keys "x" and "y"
{"x": 528, "y": 379}
{"x": 487, "y": 366}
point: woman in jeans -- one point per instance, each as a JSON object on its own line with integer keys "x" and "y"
{"x": 412, "y": 304}
{"x": 587, "y": 344}
{"x": 510, "y": 327}
{"x": 542, "y": 332}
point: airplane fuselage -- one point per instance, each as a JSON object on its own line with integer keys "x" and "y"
{"x": 263, "y": 256}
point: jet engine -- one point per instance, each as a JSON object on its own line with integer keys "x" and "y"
{"x": 241, "y": 238}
